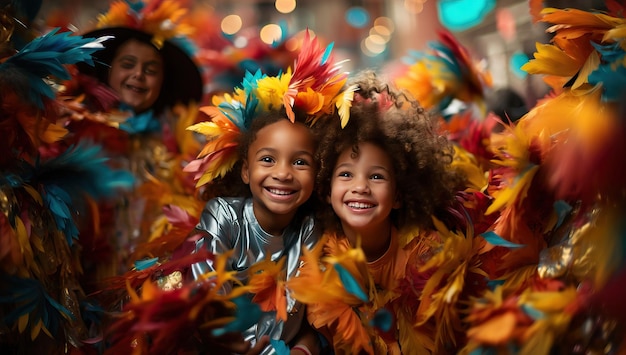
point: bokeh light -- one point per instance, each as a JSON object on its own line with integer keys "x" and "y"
{"x": 231, "y": 24}
{"x": 271, "y": 33}
{"x": 357, "y": 17}
{"x": 460, "y": 15}
{"x": 517, "y": 60}
{"x": 285, "y": 6}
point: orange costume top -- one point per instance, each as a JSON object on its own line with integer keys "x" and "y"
{"x": 370, "y": 324}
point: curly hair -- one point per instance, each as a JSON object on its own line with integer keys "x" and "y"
{"x": 397, "y": 124}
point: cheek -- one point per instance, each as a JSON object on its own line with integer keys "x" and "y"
{"x": 155, "y": 84}
{"x": 308, "y": 179}
{"x": 114, "y": 78}
{"x": 336, "y": 196}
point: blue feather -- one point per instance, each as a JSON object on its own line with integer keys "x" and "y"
{"x": 46, "y": 55}
{"x": 142, "y": 123}
{"x": 145, "y": 263}
{"x": 611, "y": 73}
{"x": 329, "y": 49}
{"x": 247, "y": 314}
{"x": 33, "y": 299}
{"x": 562, "y": 209}
{"x": 350, "y": 284}
{"x": 185, "y": 44}
{"x": 492, "y": 238}
{"x": 136, "y": 6}
{"x": 280, "y": 347}
{"x": 83, "y": 170}
{"x": 382, "y": 320}
{"x": 249, "y": 82}
{"x": 64, "y": 180}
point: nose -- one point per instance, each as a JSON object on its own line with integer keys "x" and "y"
{"x": 282, "y": 172}
{"x": 138, "y": 72}
{"x": 361, "y": 186}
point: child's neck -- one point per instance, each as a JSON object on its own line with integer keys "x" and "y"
{"x": 375, "y": 240}
{"x": 272, "y": 223}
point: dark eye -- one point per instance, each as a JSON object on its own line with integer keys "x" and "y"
{"x": 126, "y": 64}
{"x": 344, "y": 174}
{"x": 377, "y": 177}
{"x": 301, "y": 162}
{"x": 151, "y": 70}
{"x": 266, "y": 159}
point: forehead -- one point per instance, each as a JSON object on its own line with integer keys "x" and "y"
{"x": 284, "y": 135}
{"x": 136, "y": 48}
{"x": 366, "y": 154}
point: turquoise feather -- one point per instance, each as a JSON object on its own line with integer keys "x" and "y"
{"x": 45, "y": 56}
{"x": 350, "y": 284}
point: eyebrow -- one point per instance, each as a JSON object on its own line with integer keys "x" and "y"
{"x": 274, "y": 151}
{"x": 135, "y": 58}
{"x": 346, "y": 165}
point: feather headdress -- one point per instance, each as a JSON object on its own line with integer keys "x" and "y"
{"x": 165, "y": 25}
{"x": 164, "y": 20}
{"x": 443, "y": 73}
{"x": 315, "y": 86}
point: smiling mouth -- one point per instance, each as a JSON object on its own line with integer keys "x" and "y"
{"x": 359, "y": 205}
{"x": 280, "y": 192}
{"x": 135, "y": 88}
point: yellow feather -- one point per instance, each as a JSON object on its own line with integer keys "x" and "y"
{"x": 116, "y": 16}
{"x": 271, "y": 90}
{"x": 514, "y": 280}
{"x": 591, "y": 64}
{"x": 549, "y": 301}
{"x": 465, "y": 162}
{"x": 22, "y": 322}
{"x": 34, "y": 331}
{"x": 344, "y": 103}
{"x": 542, "y": 333}
{"x": 24, "y": 242}
{"x": 515, "y": 193}
{"x": 617, "y": 34}
{"x": 33, "y": 193}
{"x": 551, "y": 60}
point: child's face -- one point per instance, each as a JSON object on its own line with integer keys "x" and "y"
{"x": 137, "y": 74}
{"x": 280, "y": 168}
{"x": 363, "y": 189}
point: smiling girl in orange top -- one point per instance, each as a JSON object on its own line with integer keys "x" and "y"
{"x": 384, "y": 176}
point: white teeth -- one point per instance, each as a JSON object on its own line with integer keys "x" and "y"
{"x": 135, "y": 88}
{"x": 279, "y": 192}
{"x": 360, "y": 205}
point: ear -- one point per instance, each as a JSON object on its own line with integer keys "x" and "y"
{"x": 245, "y": 172}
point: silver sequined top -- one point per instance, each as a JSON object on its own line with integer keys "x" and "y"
{"x": 230, "y": 224}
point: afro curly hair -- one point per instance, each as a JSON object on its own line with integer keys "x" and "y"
{"x": 398, "y": 125}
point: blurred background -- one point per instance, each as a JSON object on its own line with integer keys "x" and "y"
{"x": 378, "y": 34}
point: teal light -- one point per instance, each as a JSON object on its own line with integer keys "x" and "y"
{"x": 517, "y": 60}
{"x": 357, "y": 17}
{"x": 459, "y": 15}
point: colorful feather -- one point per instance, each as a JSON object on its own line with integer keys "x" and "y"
{"x": 332, "y": 305}
{"x": 46, "y": 56}
{"x": 443, "y": 73}
{"x": 165, "y": 20}
{"x": 267, "y": 283}
{"x": 32, "y": 306}
{"x": 315, "y": 87}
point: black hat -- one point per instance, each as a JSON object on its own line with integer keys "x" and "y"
{"x": 182, "y": 80}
